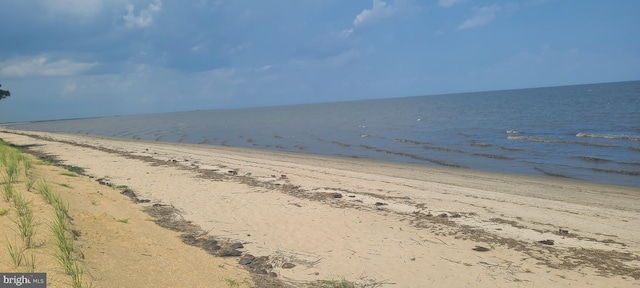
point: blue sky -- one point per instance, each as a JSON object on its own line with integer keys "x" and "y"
{"x": 83, "y": 58}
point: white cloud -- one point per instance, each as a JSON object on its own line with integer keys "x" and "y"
{"x": 379, "y": 11}
{"x": 144, "y": 17}
{"x": 448, "y": 3}
{"x": 265, "y": 68}
{"x": 41, "y": 66}
{"x": 481, "y": 17}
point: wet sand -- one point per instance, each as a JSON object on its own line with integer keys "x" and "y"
{"x": 371, "y": 222}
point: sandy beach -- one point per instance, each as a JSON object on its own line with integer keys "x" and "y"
{"x": 374, "y": 223}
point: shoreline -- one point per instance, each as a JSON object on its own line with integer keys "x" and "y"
{"x": 337, "y": 158}
{"x": 582, "y": 170}
{"x": 377, "y": 222}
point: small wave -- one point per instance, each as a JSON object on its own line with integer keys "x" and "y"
{"x": 513, "y": 132}
{"x": 364, "y": 135}
{"x": 552, "y": 174}
{"x": 634, "y": 149}
{"x": 416, "y": 157}
{"x": 478, "y": 144}
{"x": 593, "y": 159}
{"x": 442, "y": 149}
{"x": 609, "y": 136}
{"x": 511, "y": 149}
{"x": 546, "y": 140}
{"x": 411, "y": 141}
{"x": 622, "y": 172}
{"x": 341, "y": 144}
{"x": 493, "y": 156}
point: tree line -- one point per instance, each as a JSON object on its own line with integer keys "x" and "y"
{"x": 4, "y": 93}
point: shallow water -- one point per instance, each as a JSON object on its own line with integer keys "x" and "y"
{"x": 589, "y": 132}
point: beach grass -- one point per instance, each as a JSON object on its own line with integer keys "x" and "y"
{"x": 64, "y": 244}
{"x": 46, "y": 193}
{"x": 16, "y": 254}
{"x": 232, "y": 283}
{"x": 26, "y": 164}
{"x": 30, "y": 182}
{"x": 12, "y": 161}
{"x": 25, "y": 220}
{"x": 65, "y": 185}
{"x": 342, "y": 283}
{"x": 7, "y": 191}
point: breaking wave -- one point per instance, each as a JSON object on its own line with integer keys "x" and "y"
{"x": 623, "y": 172}
{"x": 609, "y": 136}
{"x": 547, "y": 140}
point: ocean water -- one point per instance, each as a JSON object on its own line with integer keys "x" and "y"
{"x": 589, "y": 132}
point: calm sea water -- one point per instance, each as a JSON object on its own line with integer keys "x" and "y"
{"x": 589, "y": 132}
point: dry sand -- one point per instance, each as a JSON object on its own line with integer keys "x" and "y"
{"x": 387, "y": 225}
{"x": 119, "y": 244}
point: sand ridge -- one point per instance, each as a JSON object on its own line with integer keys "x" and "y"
{"x": 379, "y": 223}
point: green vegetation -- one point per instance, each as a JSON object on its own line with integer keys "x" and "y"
{"x": 11, "y": 162}
{"x": 46, "y": 192}
{"x": 125, "y": 220}
{"x": 65, "y": 185}
{"x": 70, "y": 174}
{"x": 232, "y": 282}
{"x": 342, "y": 283}
{"x": 26, "y": 165}
{"x": 30, "y": 182}
{"x": 10, "y": 159}
{"x": 4, "y": 93}
{"x": 7, "y": 191}
{"x": 17, "y": 255}
{"x": 25, "y": 220}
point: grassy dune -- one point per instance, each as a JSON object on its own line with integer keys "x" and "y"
{"x": 37, "y": 231}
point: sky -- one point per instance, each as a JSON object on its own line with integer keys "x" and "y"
{"x": 88, "y": 58}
